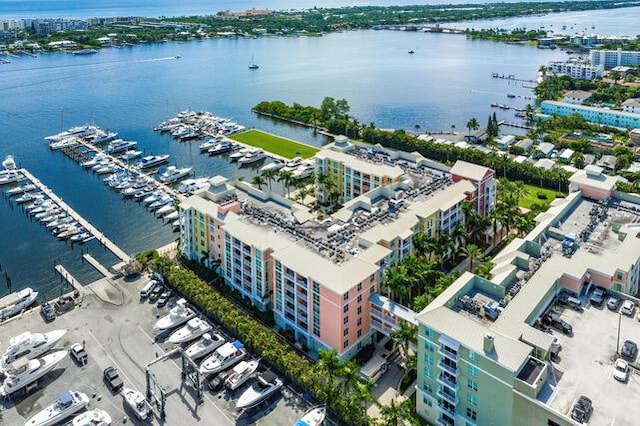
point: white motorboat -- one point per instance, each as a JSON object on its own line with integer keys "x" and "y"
{"x": 163, "y": 200}
{"x": 275, "y": 165}
{"x": 104, "y": 137}
{"x": 252, "y": 157}
{"x": 151, "y": 198}
{"x": 67, "y": 404}
{"x": 64, "y": 143}
{"x": 137, "y": 402}
{"x": 221, "y": 147}
{"x": 175, "y": 225}
{"x": 194, "y": 328}
{"x": 21, "y": 189}
{"x": 241, "y": 373}
{"x": 172, "y": 216}
{"x": 10, "y": 176}
{"x": 118, "y": 146}
{"x": 292, "y": 164}
{"x": 303, "y": 172}
{"x": 189, "y": 186}
{"x": 173, "y": 174}
{"x": 131, "y": 155}
{"x": 79, "y": 131}
{"x": 236, "y": 156}
{"x": 15, "y": 302}
{"x": 313, "y": 417}
{"x": 178, "y": 315}
{"x": 208, "y": 343}
{"x": 95, "y": 417}
{"x": 265, "y": 385}
{"x": 224, "y": 357}
{"x": 30, "y": 345}
{"x": 80, "y": 237}
{"x": 106, "y": 168}
{"x": 166, "y": 209}
{"x": 207, "y": 145}
{"x": 24, "y": 372}
{"x": 28, "y": 197}
{"x": 153, "y": 161}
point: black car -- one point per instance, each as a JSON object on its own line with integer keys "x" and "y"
{"x": 554, "y": 320}
{"x": 157, "y": 291}
{"x": 112, "y": 379}
{"x": 582, "y": 409}
{"x": 629, "y": 349}
{"x": 47, "y": 312}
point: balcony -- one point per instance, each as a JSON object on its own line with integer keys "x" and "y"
{"x": 446, "y": 381}
{"x": 448, "y": 411}
{"x": 448, "y": 368}
{"x": 445, "y": 421}
{"x": 448, "y": 353}
{"x": 451, "y": 399}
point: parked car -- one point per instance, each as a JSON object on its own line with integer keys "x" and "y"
{"x": 629, "y": 349}
{"x": 157, "y": 291}
{"x": 554, "y": 320}
{"x": 47, "y": 312}
{"x": 79, "y": 354}
{"x": 613, "y": 303}
{"x": 112, "y": 379}
{"x": 597, "y": 298}
{"x": 570, "y": 301}
{"x": 582, "y": 409}
{"x": 628, "y": 307}
{"x": 164, "y": 299}
{"x": 621, "y": 370}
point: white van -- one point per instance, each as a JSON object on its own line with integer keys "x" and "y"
{"x": 147, "y": 289}
{"x": 374, "y": 368}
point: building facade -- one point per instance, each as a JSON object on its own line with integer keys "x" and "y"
{"x": 483, "y": 178}
{"x": 615, "y": 58}
{"x": 579, "y": 69}
{"x": 607, "y": 117}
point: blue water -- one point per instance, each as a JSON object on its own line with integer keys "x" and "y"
{"x": 447, "y": 81}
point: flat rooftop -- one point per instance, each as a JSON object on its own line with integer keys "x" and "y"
{"x": 120, "y": 333}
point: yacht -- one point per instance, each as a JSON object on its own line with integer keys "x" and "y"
{"x": 252, "y": 157}
{"x": 275, "y": 165}
{"x": 173, "y": 174}
{"x": 97, "y": 159}
{"x": 95, "y": 417}
{"x": 104, "y": 137}
{"x": 68, "y": 404}
{"x": 180, "y": 132}
{"x": 189, "y": 186}
{"x": 266, "y": 385}
{"x": 161, "y": 201}
{"x": 172, "y": 216}
{"x": 208, "y": 343}
{"x": 29, "y": 197}
{"x": 24, "y": 372}
{"x": 137, "y": 402}
{"x": 207, "y": 145}
{"x": 224, "y": 357}
{"x": 292, "y": 164}
{"x": 236, "y": 156}
{"x": 106, "y": 168}
{"x": 29, "y": 345}
{"x": 64, "y": 143}
{"x": 221, "y": 147}
{"x": 80, "y": 237}
{"x": 194, "y": 328}
{"x": 178, "y": 315}
{"x": 164, "y": 210}
{"x": 313, "y": 417}
{"x": 304, "y": 171}
{"x": 21, "y": 189}
{"x": 120, "y": 146}
{"x": 70, "y": 232}
{"x": 131, "y": 155}
{"x": 15, "y": 302}
{"x": 153, "y": 196}
{"x": 10, "y": 172}
{"x": 153, "y": 161}
{"x": 241, "y": 373}
{"x": 80, "y": 132}
{"x": 175, "y": 225}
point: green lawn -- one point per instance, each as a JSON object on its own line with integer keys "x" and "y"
{"x": 275, "y": 144}
{"x": 532, "y": 197}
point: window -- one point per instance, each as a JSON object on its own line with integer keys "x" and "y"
{"x": 552, "y": 423}
{"x": 345, "y": 296}
{"x": 359, "y": 288}
{"x": 474, "y": 357}
{"x": 372, "y": 278}
{"x": 346, "y": 343}
{"x": 359, "y": 310}
{"x": 427, "y": 401}
{"x": 428, "y": 359}
{"x": 345, "y": 332}
{"x": 345, "y": 308}
{"x": 371, "y": 290}
{"x": 346, "y": 319}
{"x": 472, "y": 400}
{"x": 359, "y": 332}
{"x": 359, "y": 298}
{"x": 471, "y": 414}
{"x": 429, "y": 332}
{"x": 472, "y": 384}
{"x": 428, "y": 374}
{"x": 473, "y": 371}
{"x": 359, "y": 322}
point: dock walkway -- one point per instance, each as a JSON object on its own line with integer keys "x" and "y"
{"x": 112, "y": 247}
{"x": 73, "y": 282}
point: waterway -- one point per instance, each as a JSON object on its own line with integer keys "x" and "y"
{"x": 447, "y": 81}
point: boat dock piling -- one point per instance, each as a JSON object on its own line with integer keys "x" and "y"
{"x": 112, "y": 247}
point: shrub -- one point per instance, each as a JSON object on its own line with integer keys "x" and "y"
{"x": 542, "y": 195}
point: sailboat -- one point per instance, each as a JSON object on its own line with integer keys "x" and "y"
{"x": 253, "y": 65}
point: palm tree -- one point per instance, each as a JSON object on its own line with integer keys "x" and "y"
{"x": 397, "y": 282}
{"x": 453, "y": 127}
{"x": 391, "y": 414}
{"x": 364, "y": 393}
{"x": 402, "y": 339}
{"x": 258, "y": 181}
{"x": 473, "y": 253}
{"x": 473, "y": 124}
{"x": 423, "y": 245}
{"x": 329, "y": 366}
{"x": 286, "y": 177}
{"x": 528, "y": 113}
{"x": 270, "y": 175}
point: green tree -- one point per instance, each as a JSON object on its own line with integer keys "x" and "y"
{"x": 258, "y": 181}
{"x": 403, "y": 338}
{"x": 286, "y": 177}
{"x": 473, "y": 124}
{"x": 473, "y": 253}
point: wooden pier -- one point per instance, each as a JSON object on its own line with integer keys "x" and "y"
{"x": 112, "y": 247}
{"x": 69, "y": 278}
{"x": 513, "y": 124}
{"x": 97, "y": 265}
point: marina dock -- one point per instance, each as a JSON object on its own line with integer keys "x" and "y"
{"x": 73, "y": 282}
{"x": 112, "y": 247}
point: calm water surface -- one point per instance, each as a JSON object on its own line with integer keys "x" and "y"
{"x": 447, "y": 81}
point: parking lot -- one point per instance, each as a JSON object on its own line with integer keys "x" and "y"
{"x": 585, "y": 366}
{"x": 118, "y": 331}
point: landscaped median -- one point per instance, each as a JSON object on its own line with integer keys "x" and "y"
{"x": 275, "y": 144}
